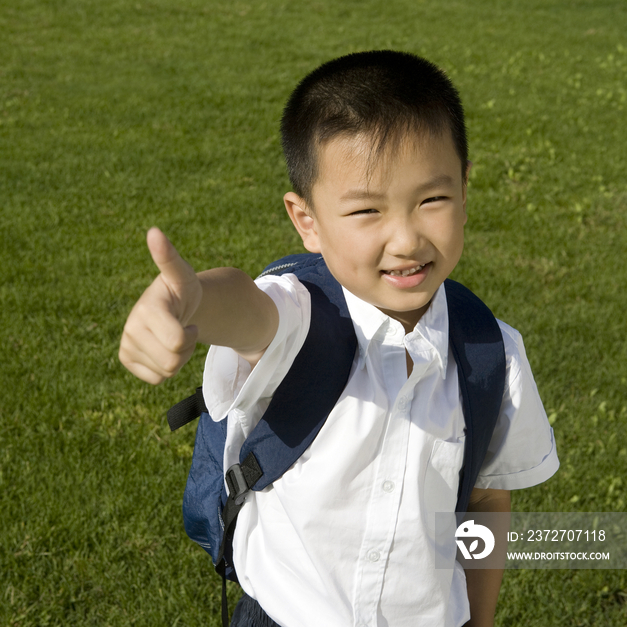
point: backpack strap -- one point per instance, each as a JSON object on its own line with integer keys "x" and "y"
{"x": 477, "y": 345}
{"x": 301, "y": 403}
{"x": 316, "y": 379}
{"x": 308, "y": 392}
{"x": 186, "y": 410}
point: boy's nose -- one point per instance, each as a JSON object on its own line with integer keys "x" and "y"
{"x": 404, "y": 240}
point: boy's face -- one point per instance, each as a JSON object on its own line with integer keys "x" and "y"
{"x": 390, "y": 238}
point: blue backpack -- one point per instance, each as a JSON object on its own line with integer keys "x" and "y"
{"x": 300, "y": 407}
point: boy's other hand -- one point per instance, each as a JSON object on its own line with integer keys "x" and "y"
{"x": 156, "y": 341}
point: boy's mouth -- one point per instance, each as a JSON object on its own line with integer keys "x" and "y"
{"x": 407, "y": 272}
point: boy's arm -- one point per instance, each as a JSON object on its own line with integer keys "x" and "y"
{"x": 484, "y": 584}
{"x": 222, "y": 306}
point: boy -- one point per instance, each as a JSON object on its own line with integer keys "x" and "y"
{"x": 376, "y": 150}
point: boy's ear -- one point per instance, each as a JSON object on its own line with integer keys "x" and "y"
{"x": 302, "y": 218}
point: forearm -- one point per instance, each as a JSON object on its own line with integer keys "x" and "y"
{"x": 483, "y": 592}
{"x": 234, "y": 312}
{"x": 484, "y": 584}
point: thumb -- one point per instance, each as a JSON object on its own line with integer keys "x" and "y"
{"x": 174, "y": 269}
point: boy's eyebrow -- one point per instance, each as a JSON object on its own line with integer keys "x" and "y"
{"x": 366, "y": 194}
{"x": 361, "y": 194}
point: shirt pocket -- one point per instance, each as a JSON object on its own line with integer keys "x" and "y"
{"x": 442, "y": 476}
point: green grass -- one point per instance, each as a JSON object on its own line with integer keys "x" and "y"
{"x": 116, "y": 116}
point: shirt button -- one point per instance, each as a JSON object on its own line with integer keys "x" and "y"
{"x": 388, "y": 486}
{"x": 402, "y": 402}
{"x": 374, "y": 556}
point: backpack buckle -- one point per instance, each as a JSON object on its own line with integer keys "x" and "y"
{"x": 237, "y": 484}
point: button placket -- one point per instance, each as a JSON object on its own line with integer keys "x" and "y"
{"x": 382, "y": 516}
{"x": 385, "y": 497}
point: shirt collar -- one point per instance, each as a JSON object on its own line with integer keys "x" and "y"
{"x": 371, "y": 323}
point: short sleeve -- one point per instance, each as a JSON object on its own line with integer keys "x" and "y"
{"x": 522, "y": 451}
{"x": 230, "y": 386}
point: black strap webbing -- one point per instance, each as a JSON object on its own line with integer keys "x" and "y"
{"x": 187, "y": 410}
{"x": 239, "y": 478}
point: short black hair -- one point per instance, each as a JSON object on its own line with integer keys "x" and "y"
{"x": 382, "y": 93}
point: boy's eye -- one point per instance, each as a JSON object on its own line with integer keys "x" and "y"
{"x": 363, "y": 212}
{"x": 435, "y": 199}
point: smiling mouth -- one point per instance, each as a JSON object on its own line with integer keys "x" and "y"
{"x": 407, "y": 272}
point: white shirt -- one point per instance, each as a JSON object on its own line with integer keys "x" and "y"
{"x": 346, "y": 536}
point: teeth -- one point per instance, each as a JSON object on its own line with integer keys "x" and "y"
{"x": 406, "y": 272}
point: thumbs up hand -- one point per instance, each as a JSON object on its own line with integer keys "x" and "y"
{"x": 220, "y": 306}
{"x": 157, "y": 340}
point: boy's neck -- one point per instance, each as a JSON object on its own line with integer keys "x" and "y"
{"x": 409, "y": 319}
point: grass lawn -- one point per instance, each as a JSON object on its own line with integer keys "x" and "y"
{"x": 115, "y": 116}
